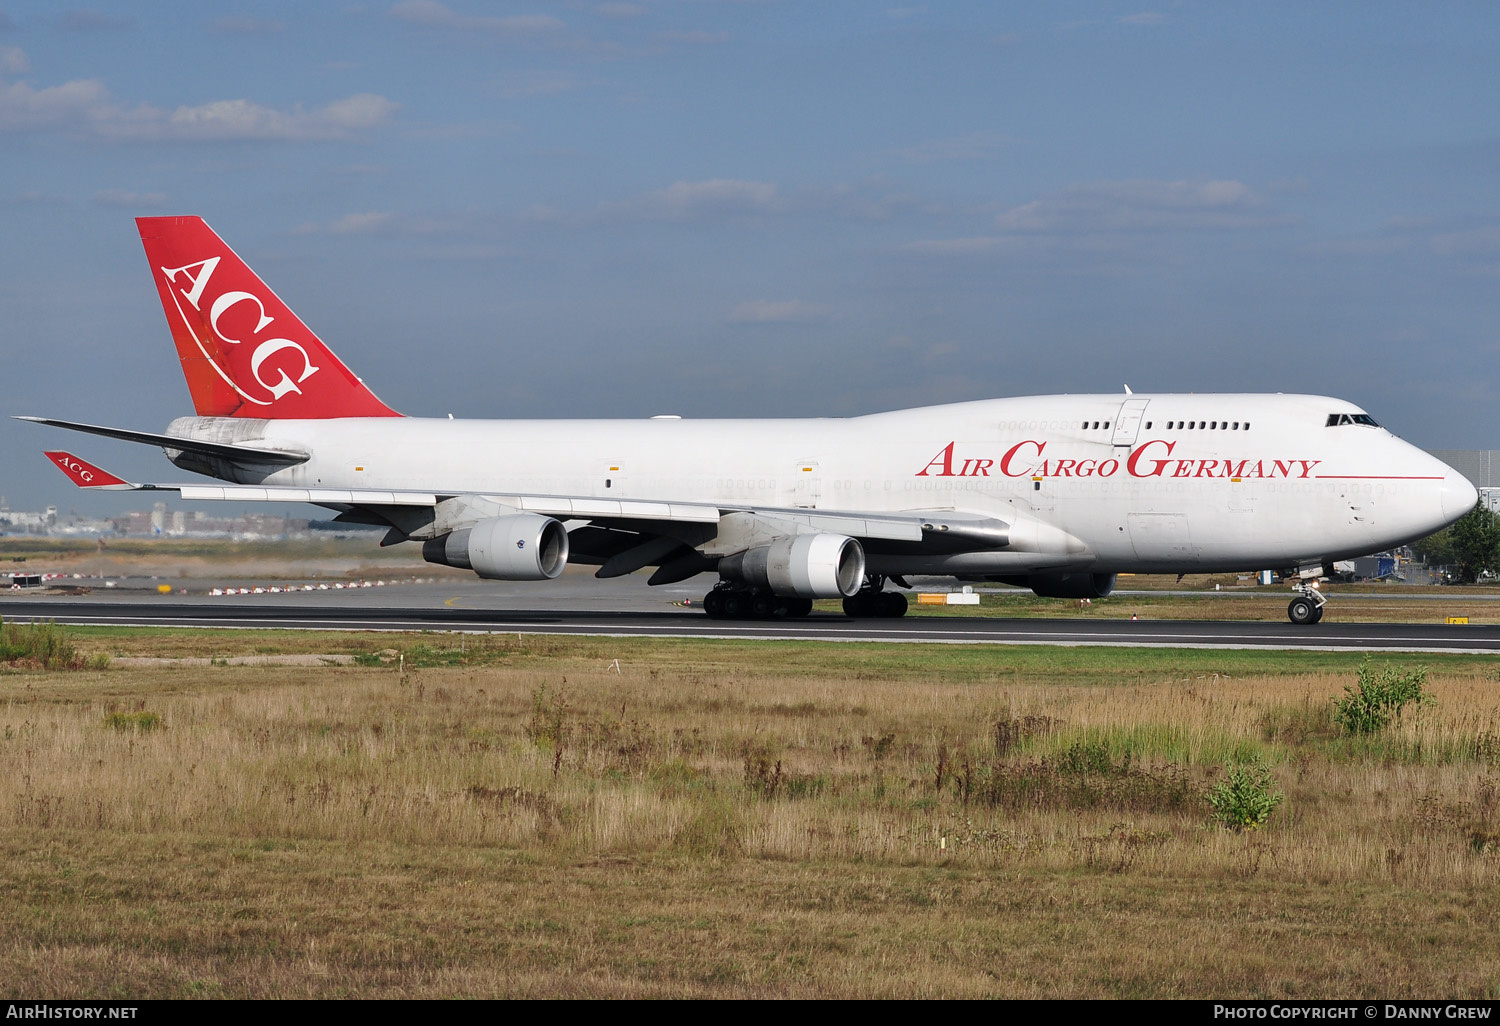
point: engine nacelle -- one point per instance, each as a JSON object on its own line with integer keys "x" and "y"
{"x": 801, "y": 566}
{"x": 1075, "y": 585}
{"x": 523, "y": 547}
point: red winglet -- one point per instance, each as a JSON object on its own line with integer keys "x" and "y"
{"x": 83, "y": 473}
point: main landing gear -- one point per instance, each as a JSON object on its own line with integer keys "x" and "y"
{"x": 1307, "y": 608}
{"x": 873, "y": 600}
{"x": 731, "y": 602}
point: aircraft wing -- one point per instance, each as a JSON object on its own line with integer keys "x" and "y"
{"x": 904, "y": 527}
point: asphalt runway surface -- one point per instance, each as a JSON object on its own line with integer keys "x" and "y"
{"x": 625, "y": 608}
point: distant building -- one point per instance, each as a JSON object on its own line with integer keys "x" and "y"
{"x": 22, "y": 522}
{"x": 157, "y": 522}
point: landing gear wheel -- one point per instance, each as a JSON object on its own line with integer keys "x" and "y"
{"x": 736, "y": 605}
{"x": 860, "y": 604}
{"x": 798, "y": 607}
{"x": 1317, "y": 614}
{"x": 890, "y": 603}
{"x": 713, "y": 605}
{"x": 764, "y": 607}
{"x": 1303, "y": 611}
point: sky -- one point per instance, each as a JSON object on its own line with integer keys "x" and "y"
{"x": 639, "y": 207}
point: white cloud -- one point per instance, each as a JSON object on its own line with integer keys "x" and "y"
{"x": 244, "y": 119}
{"x": 122, "y": 198}
{"x": 386, "y": 223}
{"x": 431, "y": 14}
{"x": 36, "y": 198}
{"x": 1142, "y": 205}
{"x": 359, "y": 224}
{"x": 683, "y": 200}
{"x": 1109, "y": 216}
{"x": 85, "y": 106}
{"x": 13, "y": 61}
{"x": 23, "y": 108}
{"x": 778, "y": 311}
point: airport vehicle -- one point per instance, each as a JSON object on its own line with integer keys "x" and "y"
{"x": 1055, "y": 493}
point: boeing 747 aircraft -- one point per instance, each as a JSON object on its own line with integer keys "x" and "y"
{"x": 1055, "y": 493}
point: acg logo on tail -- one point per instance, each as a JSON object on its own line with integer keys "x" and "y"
{"x": 227, "y": 325}
{"x": 75, "y": 467}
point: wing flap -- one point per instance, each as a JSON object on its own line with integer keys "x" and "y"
{"x": 317, "y": 496}
{"x": 567, "y": 507}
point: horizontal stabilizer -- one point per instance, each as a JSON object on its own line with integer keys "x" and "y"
{"x": 223, "y": 450}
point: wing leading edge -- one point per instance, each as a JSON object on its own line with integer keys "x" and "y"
{"x": 912, "y": 527}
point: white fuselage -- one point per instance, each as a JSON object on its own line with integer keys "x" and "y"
{"x": 1173, "y": 483}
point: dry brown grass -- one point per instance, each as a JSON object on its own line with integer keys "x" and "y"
{"x": 709, "y": 821}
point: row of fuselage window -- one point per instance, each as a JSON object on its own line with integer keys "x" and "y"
{"x": 1182, "y": 425}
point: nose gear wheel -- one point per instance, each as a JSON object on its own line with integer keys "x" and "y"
{"x": 1307, "y": 608}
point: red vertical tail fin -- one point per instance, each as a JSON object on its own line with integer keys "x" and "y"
{"x": 244, "y": 353}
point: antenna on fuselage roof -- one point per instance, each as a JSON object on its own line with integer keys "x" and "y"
{"x": 1128, "y": 391}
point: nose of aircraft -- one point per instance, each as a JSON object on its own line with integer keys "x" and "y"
{"x": 1457, "y": 495}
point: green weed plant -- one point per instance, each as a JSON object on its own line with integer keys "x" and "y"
{"x": 1378, "y": 697}
{"x": 1246, "y": 796}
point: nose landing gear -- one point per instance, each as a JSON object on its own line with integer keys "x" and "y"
{"x": 1307, "y": 608}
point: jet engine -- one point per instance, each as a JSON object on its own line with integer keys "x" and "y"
{"x": 1074, "y": 585}
{"x": 802, "y": 566}
{"x": 522, "y": 547}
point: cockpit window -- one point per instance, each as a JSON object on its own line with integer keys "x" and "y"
{"x": 1340, "y": 419}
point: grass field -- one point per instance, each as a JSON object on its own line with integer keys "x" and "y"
{"x": 505, "y": 816}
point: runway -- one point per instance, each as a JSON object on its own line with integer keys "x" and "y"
{"x": 322, "y": 611}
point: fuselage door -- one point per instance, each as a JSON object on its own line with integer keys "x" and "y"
{"x": 1162, "y": 538}
{"x": 1128, "y": 421}
{"x": 807, "y": 487}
